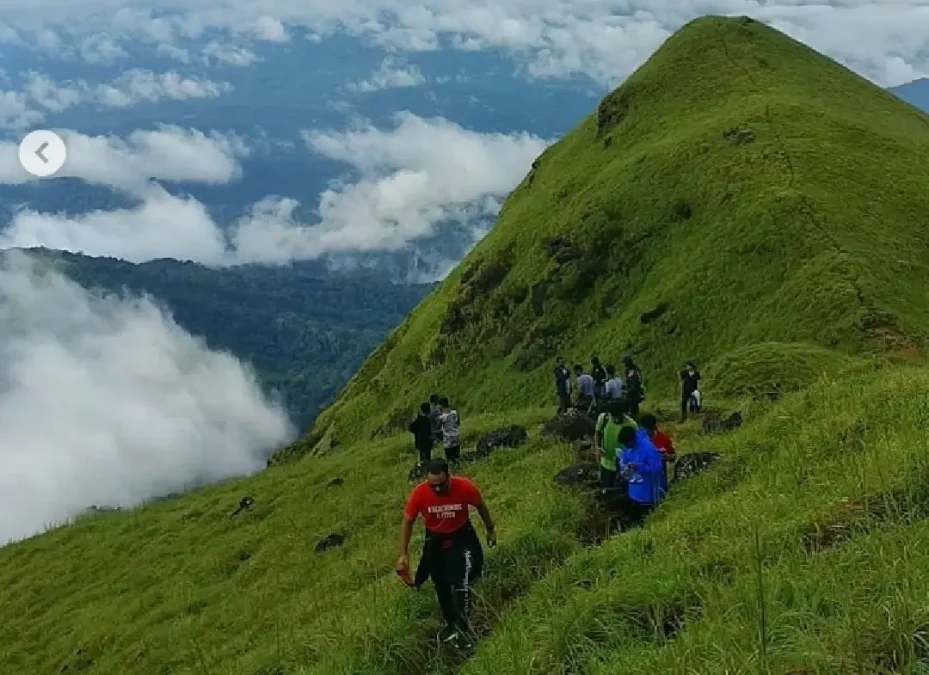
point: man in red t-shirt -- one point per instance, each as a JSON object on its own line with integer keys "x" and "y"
{"x": 661, "y": 440}
{"x": 452, "y": 553}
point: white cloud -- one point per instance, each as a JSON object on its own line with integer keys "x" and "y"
{"x": 40, "y": 94}
{"x": 603, "y": 38}
{"x": 144, "y": 85}
{"x": 174, "y": 52}
{"x": 161, "y": 226}
{"x": 106, "y": 401}
{"x": 168, "y": 153}
{"x": 269, "y": 29}
{"x": 216, "y": 52}
{"x": 414, "y": 176}
{"x": 411, "y": 178}
{"x": 101, "y": 48}
{"x": 53, "y": 96}
{"x": 15, "y": 111}
{"x": 391, "y": 74}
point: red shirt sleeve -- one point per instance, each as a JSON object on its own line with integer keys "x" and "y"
{"x": 414, "y": 503}
{"x": 473, "y": 494}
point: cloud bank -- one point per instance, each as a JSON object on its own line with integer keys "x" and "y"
{"x": 407, "y": 180}
{"x": 106, "y": 401}
{"x": 605, "y": 39}
{"x": 41, "y": 95}
{"x": 169, "y": 153}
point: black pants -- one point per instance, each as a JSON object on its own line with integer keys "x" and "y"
{"x": 685, "y": 400}
{"x": 638, "y": 511}
{"x": 564, "y": 403}
{"x": 453, "y": 453}
{"x": 454, "y": 562}
{"x": 634, "y": 407}
{"x": 425, "y": 454}
{"x": 607, "y": 477}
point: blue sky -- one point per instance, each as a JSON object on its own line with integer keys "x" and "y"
{"x": 243, "y": 131}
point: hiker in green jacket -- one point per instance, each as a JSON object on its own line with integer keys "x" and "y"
{"x": 607, "y": 439}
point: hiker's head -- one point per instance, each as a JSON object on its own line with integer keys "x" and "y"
{"x": 617, "y": 408}
{"x": 434, "y": 399}
{"x": 595, "y": 361}
{"x": 690, "y": 366}
{"x": 437, "y": 475}
{"x": 424, "y": 408}
{"x": 559, "y": 361}
{"x": 611, "y": 370}
{"x": 627, "y": 361}
{"x": 578, "y": 368}
{"x": 626, "y": 436}
{"x": 649, "y": 423}
{"x": 443, "y": 402}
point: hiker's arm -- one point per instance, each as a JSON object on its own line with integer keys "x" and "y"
{"x": 406, "y": 533}
{"x": 650, "y": 462}
{"x": 484, "y": 512}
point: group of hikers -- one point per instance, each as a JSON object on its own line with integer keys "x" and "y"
{"x": 594, "y": 390}
{"x": 634, "y": 455}
{"x": 437, "y": 422}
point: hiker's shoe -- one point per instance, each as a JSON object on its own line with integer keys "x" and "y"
{"x": 466, "y": 639}
{"x": 448, "y": 634}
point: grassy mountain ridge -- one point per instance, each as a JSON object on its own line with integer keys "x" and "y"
{"x": 739, "y": 188}
{"x": 801, "y": 551}
{"x": 304, "y": 332}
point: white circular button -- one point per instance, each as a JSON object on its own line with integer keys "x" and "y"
{"x": 42, "y": 153}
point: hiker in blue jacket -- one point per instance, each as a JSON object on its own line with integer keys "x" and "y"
{"x": 640, "y": 464}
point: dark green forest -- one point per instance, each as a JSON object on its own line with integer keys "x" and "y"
{"x": 305, "y": 331}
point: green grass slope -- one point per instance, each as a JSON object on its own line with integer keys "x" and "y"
{"x": 833, "y": 481}
{"x": 738, "y": 189}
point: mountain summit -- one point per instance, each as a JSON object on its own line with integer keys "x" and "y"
{"x": 741, "y": 199}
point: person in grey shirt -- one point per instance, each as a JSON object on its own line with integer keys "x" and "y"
{"x": 585, "y": 387}
{"x": 613, "y": 389}
{"x": 451, "y": 438}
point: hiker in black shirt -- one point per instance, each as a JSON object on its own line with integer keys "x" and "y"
{"x": 421, "y": 428}
{"x": 634, "y": 390}
{"x": 597, "y": 372}
{"x": 434, "y": 417}
{"x": 690, "y": 385}
{"x": 562, "y": 385}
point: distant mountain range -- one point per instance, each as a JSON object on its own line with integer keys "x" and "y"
{"x": 916, "y": 92}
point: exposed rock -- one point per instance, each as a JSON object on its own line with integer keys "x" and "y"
{"x": 244, "y": 503}
{"x": 329, "y": 541}
{"x": 614, "y": 108}
{"x": 572, "y": 426}
{"x": 682, "y": 210}
{"x": 539, "y": 291}
{"x": 653, "y": 314}
{"x": 692, "y": 463}
{"x": 560, "y": 249}
{"x": 584, "y": 450}
{"x": 583, "y": 474}
{"x": 505, "y": 437}
{"x": 739, "y": 135}
{"x": 716, "y": 423}
{"x": 398, "y": 421}
{"x": 102, "y": 509}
